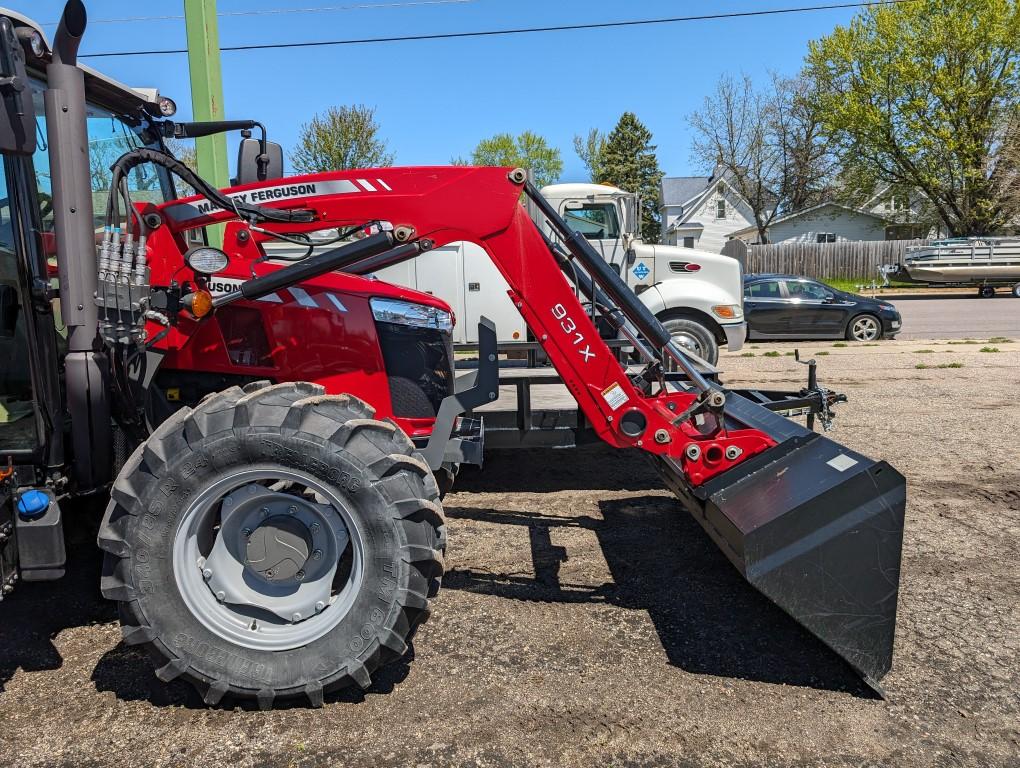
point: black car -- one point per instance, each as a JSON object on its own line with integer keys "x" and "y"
{"x": 792, "y": 307}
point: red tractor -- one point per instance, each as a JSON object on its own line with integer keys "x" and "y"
{"x": 275, "y": 437}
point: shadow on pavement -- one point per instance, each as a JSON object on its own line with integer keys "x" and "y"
{"x": 709, "y": 620}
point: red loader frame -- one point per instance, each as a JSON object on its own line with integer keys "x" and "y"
{"x": 436, "y": 206}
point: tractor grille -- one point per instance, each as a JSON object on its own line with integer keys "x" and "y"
{"x": 419, "y": 366}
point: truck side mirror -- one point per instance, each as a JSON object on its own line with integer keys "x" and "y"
{"x": 253, "y": 166}
{"x": 8, "y": 311}
{"x": 17, "y": 113}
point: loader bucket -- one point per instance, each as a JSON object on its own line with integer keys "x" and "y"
{"x": 816, "y": 528}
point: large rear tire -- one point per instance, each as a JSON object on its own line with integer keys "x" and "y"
{"x": 273, "y": 543}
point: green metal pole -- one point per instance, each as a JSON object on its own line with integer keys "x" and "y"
{"x": 207, "y": 92}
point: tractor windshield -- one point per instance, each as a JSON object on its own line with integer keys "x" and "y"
{"x": 110, "y": 136}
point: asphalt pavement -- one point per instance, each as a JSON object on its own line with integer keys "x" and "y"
{"x": 959, "y": 317}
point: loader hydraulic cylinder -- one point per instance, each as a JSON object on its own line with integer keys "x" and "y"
{"x": 320, "y": 264}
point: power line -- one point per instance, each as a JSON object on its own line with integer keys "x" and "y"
{"x": 518, "y": 31}
{"x": 281, "y": 11}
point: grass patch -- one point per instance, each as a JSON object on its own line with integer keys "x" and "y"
{"x": 773, "y": 353}
{"x": 747, "y": 354}
{"x": 1000, "y": 340}
{"x": 851, "y": 285}
{"x": 841, "y": 344}
{"x": 924, "y": 366}
{"x": 871, "y": 345}
{"x": 989, "y": 349}
{"x": 753, "y": 347}
{"x": 924, "y": 351}
{"x": 821, "y": 354}
{"x": 789, "y": 354}
{"x": 965, "y": 341}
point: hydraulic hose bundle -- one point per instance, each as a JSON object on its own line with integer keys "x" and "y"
{"x": 123, "y": 289}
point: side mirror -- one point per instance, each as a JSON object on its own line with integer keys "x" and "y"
{"x": 830, "y": 298}
{"x": 17, "y": 114}
{"x": 253, "y": 166}
{"x": 9, "y": 309}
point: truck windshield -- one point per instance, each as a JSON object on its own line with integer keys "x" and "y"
{"x": 110, "y": 136}
{"x": 596, "y": 221}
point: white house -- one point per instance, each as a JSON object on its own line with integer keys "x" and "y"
{"x": 701, "y": 211}
{"x": 825, "y": 223}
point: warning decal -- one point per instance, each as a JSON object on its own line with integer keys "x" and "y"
{"x": 614, "y": 396}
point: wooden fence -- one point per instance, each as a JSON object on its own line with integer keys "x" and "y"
{"x": 851, "y": 260}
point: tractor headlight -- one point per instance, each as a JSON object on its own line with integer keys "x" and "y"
{"x": 407, "y": 313}
{"x": 206, "y": 260}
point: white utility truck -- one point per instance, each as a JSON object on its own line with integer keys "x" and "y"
{"x": 697, "y": 295}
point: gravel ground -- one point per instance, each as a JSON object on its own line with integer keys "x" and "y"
{"x": 586, "y": 620}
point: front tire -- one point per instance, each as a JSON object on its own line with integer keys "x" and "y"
{"x": 692, "y": 335}
{"x": 864, "y": 328}
{"x": 273, "y": 543}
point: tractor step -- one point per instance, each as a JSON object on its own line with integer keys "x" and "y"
{"x": 815, "y": 527}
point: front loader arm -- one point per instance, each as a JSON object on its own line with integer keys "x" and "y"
{"x": 814, "y": 526}
{"x": 436, "y": 206}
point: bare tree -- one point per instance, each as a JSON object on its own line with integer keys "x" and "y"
{"x": 768, "y": 142}
{"x": 733, "y": 131}
{"x": 807, "y": 164}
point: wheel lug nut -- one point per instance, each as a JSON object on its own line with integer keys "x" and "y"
{"x": 207, "y": 574}
{"x": 265, "y": 511}
{"x": 299, "y": 575}
{"x": 292, "y": 510}
{"x": 296, "y": 617}
{"x": 314, "y": 527}
{"x": 246, "y": 532}
{"x": 319, "y": 606}
{"x": 270, "y": 574}
{"x": 221, "y": 596}
{"x": 317, "y": 554}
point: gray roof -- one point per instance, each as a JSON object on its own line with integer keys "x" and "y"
{"x": 677, "y": 190}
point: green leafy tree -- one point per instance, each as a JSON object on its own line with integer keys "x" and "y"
{"x": 590, "y": 149}
{"x": 527, "y": 150}
{"x": 341, "y": 138}
{"x": 923, "y": 96}
{"x": 628, "y": 161}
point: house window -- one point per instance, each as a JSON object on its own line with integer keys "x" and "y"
{"x": 688, "y": 242}
{"x": 720, "y": 209}
{"x": 826, "y": 237}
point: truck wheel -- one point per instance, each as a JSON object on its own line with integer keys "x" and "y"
{"x": 692, "y": 335}
{"x": 273, "y": 543}
{"x": 986, "y": 292}
{"x": 1016, "y": 290}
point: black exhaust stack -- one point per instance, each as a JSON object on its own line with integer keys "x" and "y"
{"x": 74, "y": 225}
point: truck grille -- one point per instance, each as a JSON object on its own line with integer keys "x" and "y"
{"x": 419, "y": 367}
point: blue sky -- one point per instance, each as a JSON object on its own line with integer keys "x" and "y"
{"x": 436, "y": 99}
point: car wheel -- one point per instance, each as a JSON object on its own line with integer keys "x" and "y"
{"x": 1016, "y": 290}
{"x": 986, "y": 292}
{"x": 864, "y": 328}
{"x": 693, "y": 336}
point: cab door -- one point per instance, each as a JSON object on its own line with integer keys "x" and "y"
{"x": 30, "y": 400}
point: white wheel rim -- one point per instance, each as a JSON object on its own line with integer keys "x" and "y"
{"x": 865, "y": 329}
